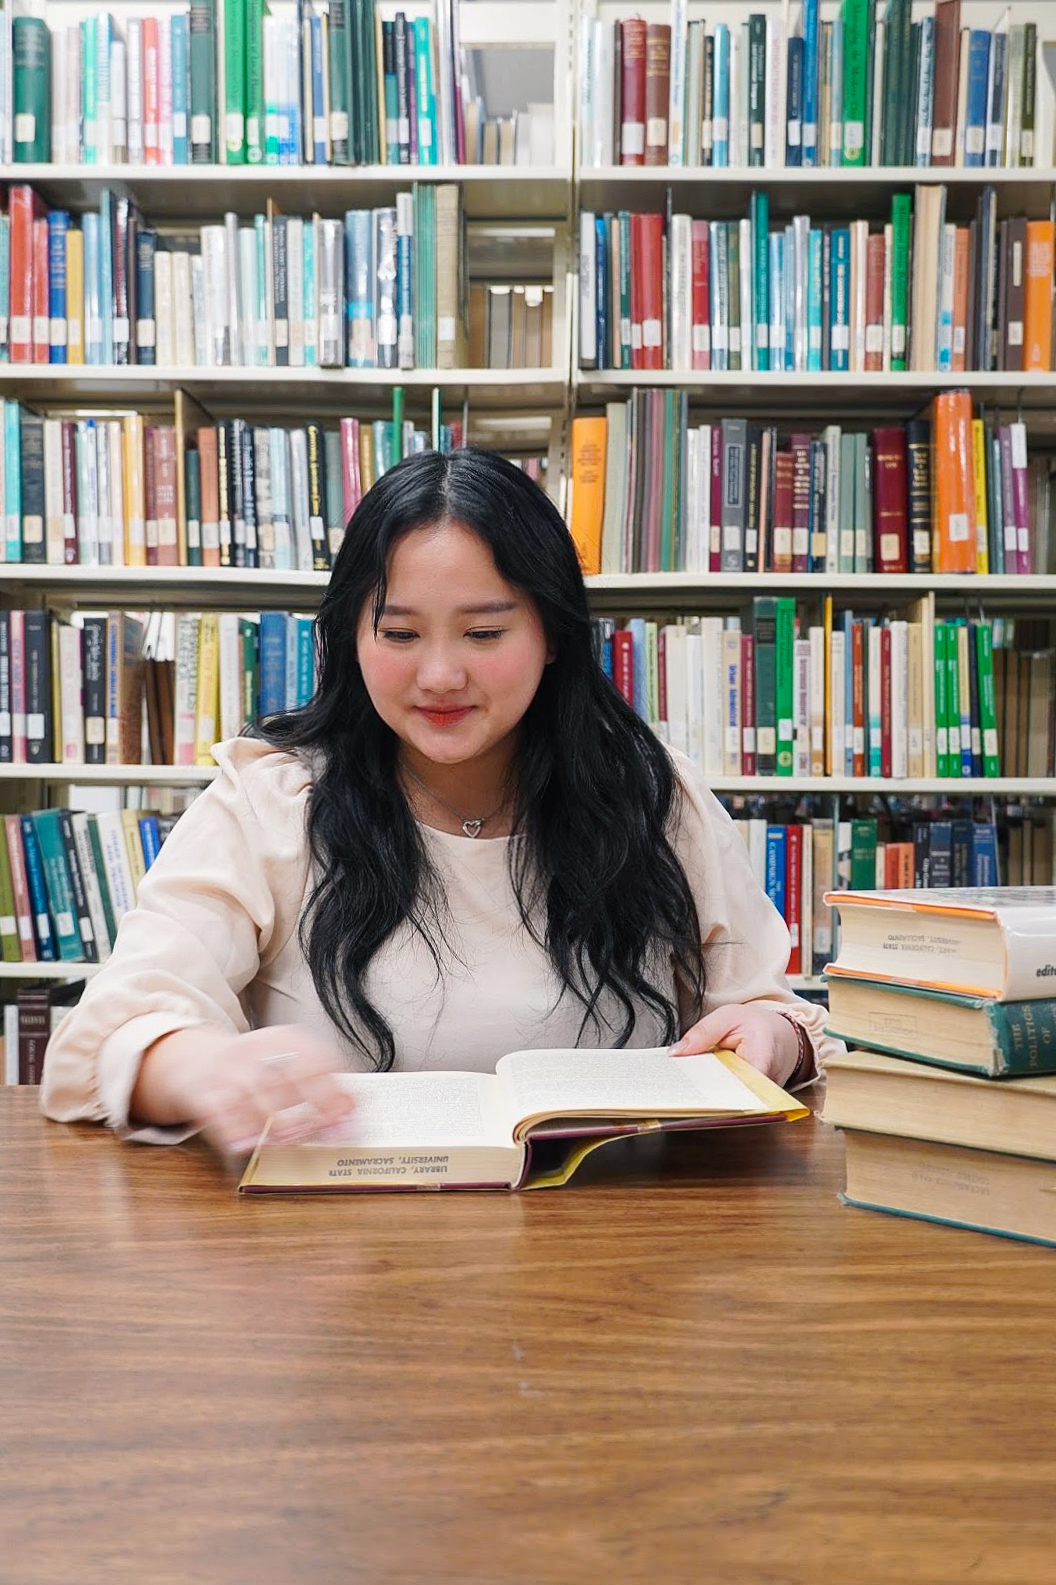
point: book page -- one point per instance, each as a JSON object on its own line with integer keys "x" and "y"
{"x": 645, "y": 1083}
{"x": 420, "y": 1109}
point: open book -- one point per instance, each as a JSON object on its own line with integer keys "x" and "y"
{"x": 527, "y": 1125}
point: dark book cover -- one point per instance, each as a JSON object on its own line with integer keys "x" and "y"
{"x": 40, "y": 732}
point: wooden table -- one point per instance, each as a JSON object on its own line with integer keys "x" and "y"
{"x": 692, "y": 1365}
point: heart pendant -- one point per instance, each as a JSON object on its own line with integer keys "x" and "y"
{"x": 472, "y": 827}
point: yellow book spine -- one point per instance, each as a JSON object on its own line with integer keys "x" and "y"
{"x": 134, "y": 846}
{"x": 74, "y": 296}
{"x": 982, "y": 538}
{"x": 207, "y": 703}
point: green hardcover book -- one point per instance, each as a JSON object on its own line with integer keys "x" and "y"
{"x": 854, "y": 15}
{"x": 901, "y": 231}
{"x": 235, "y": 82}
{"x": 785, "y": 683}
{"x": 249, "y": 640}
{"x": 863, "y": 855}
{"x": 760, "y": 214}
{"x": 984, "y": 640}
{"x": 942, "y": 726}
{"x": 31, "y": 65}
{"x": 869, "y": 157}
{"x": 1030, "y": 91}
{"x": 733, "y": 297}
{"x": 757, "y": 89}
{"x": 10, "y": 944}
{"x": 953, "y": 698}
{"x": 339, "y": 95}
{"x": 203, "y": 82}
{"x": 192, "y": 480}
{"x": 99, "y": 861}
{"x": 254, "y": 82}
{"x": 365, "y": 80}
{"x": 764, "y": 626}
{"x": 970, "y": 1034}
{"x": 59, "y": 885}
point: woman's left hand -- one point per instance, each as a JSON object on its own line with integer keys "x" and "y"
{"x": 762, "y": 1037}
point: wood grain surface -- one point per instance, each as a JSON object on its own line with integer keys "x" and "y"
{"x": 691, "y": 1365}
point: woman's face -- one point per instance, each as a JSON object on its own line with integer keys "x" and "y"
{"x": 459, "y": 652}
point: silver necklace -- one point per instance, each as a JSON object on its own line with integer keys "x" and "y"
{"x": 470, "y": 828}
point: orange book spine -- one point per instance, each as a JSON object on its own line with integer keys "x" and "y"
{"x": 23, "y": 207}
{"x": 41, "y": 319}
{"x": 1041, "y": 266}
{"x": 589, "y": 437}
{"x": 954, "y": 544}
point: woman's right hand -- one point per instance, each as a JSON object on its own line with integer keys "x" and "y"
{"x": 229, "y": 1085}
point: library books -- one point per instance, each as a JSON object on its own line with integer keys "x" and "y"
{"x": 868, "y": 85}
{"x": 952, "y": 491}
{"x": 997, "y": 941}
{"x": 694, "y": 294}
{"x": 528, "y": 1125}
{"x": 973, "y": 1034}
{"x": 29, "y": 1023}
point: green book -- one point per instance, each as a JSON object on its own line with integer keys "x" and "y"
{"x": 254, "y": 82}
{"x": 99, "y": 861}
{"x": 785, "y": 682}
{"x": 953, "y": 699}
{"x": 59, "y": 885}
{"x": 192, "y": 479}
{"x": 339, "y": 101}
{"x": 863, "y": 855}
{"x": 235, "y": 82}
{"x": 249, "y": 639}
{"x": 203, "y": 82}
{"x": 363, "y": 80}
{"x": 984, "y": 643}
{"x": 942, "y": 728}
{"x": 31, "y": 65}
{"x": 901, "y": 231}
{"x": 970, "y": 1034}
{"x": 10, "y": 944}
{"x": 854, "y": 15}
{"x": 757, "y": 89}
{"x": 764, "y": 626}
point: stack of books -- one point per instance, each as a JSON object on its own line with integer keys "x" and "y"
{"x": 947, "y": 1095}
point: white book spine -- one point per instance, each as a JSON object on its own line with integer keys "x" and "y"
{"x": 71, "y": 695}
{"x": 134, "y": 92}
{"x": 731, "y": 700}
{"x": 878, "y": 92}
{"x": 588, "y": 84}
{"x": 201, "y": 346}
{"x": 831, "y": 437}
{"x": 695, "y": 694}
{"x": 230, "y": 655}
{"x": 776, "y": 99}
{"x": 298, "y": 499}
{"x": 119, "y": 101}
{"x": 816, "y": 643}
{"x": 746, "y": 273}
{"x": 247, "y": 289}
{"x": 115, "y": 859}
{"x": 899, "y": 698}
{"x": 237, "y": 354}
{"x": 185, "y": 687}
{"x": 115, "y": 446}
{"x": 801, "y": 708}
{"x": 295, "y": 279}
{"x": 183, "y": 310}
{"x": 676, "y": 117}
{"x": 680, "y": 353}
{"x": 962, "y": 96}
{"x": 676, "y": 685}
{"x": 889, "y": 247}
{"x": 163, "y": 309}
{"x": 165, "y": 128}
{"x": 214, "y": 274}
{"x": 837, "y": 701}
{"x": 54, "y": 528}
{"x": 713, "y": 695}
{"x": 588, "y": 330}
{"x": 702, "y": 537}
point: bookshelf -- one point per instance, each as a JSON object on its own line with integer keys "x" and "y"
{"x": 507, "y": 209}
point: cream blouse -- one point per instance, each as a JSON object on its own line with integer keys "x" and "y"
{"x": 214, "y": 940}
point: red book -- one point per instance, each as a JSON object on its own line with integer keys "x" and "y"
{"x": 747, "y": 704}
{"x": 165, "y": 495}
{"x": 793, "y": 882}
{"x": 652, "y": 272}
{"x": 800, "y": 449}
{"x": 701, "y": 322}
{"x": 781, "y": 528}
{"x": 874, "y": 302}
{"x": 885, "y": 701}
{"x": 151, "y": 74}
{"x": 657, "y": 90}
{"x": 715, "y": 541}
{"x": 623, "y": 663}
{"x": 632, "y": 91}
{"x": 858, "y": 698}
{"x": 24, "y": 207}
{"x": 890, "y": 501}
{"x": 41, "y": 305}
{"x": 18, "y": 687}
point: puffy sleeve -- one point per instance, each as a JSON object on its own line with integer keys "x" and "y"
{"x": 746, "y": 941}
{"x": 221, "y": 898}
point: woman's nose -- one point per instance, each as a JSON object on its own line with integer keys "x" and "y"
{"x": 441, "y": 669}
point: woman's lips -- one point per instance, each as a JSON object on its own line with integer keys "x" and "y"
{"x": 444, "y": 717}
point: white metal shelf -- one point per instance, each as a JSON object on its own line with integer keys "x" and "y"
{"x": 113, "y": 775}
{"x": 760, "y": 382}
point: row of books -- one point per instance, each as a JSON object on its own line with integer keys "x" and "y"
{"x": 797, "y": 862}
{"x": 379, "y": 288}
{"x": 67, "y": 878}
{"x": 772, "y": 694}
{"x": 329, "y": 84}
{"x": 29, "y": 1022}
{"x": 920, "y": 292}
{"x": 855, "y": 90}
{"x": 104, "y": 490}
{"x": 510, "y": 327}
{"x": 949, "y": 492}
{"x": 114, "y": 688}
{"x": 946, "y": 1094}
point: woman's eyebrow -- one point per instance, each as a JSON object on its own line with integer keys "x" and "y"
{"x": 485, "y": 608}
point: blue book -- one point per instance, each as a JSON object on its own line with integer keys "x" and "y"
{"x": 777, "y": 300}
{"x": 975, "y": 101}
{"x": 961, "y": 849}
{"x": 292, "y": 663}
{"x": 310, "y": 316}
{"x": 145, "y": 328}
{"x": 318, "y": 97}
{"x": 181, "y": 110}
{"x": 12, "y": 479}
{"x": 58, "y": 225}
{"x": 38, "y": 891}
{"x": 940, "y": 854}
{"x": 405, "y": 294}
{"x": 840, "y": 333}
{"x": 273, "y": 626}
{"x": 636, "y": 628}
{"x": 794, "y": 106}
{"x": 305, "y": 684}
{"x": 720, "y": 118}
{"x": 815, "y": 293}
{"x": 790, "y": 298}
{"x": 984, "y": 854}
{"x": 601, "y": 294}
{"x": 995, "y": 114}
{"x": 359, "y": 287}
{"x": 811, "y": 34}
{"x": 150, "y": 838}
{"x": 106, "y": 271}
{"x": 93, "y": 299}
{"x": 425, "y": 97}
{"x": 775, "y": 867}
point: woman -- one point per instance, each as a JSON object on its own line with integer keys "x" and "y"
{"x": 465, "y": 844}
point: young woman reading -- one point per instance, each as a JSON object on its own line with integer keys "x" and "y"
{"x": 465, "y": 844}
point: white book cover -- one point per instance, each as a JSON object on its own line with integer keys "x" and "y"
{"x": 183, "y": 310}
{"x": 962, "y": 96}
{"x": 889, "y": 252}
{"x": 185, "y": 687}
{"x": 214, "y": 272}
{"x": 295, "y": 290}
{"x": 163, "y": 317}
{"x": 776, "y": 95}
{"x": 746, "y": 273}
{"x": 236, "y": 353}
{"x": 713, "y": 699}
{"x": 837, "y": 702}
{"x": 831, "y": 437}
{"x": 676, "y": 118}
{"x": 676, "y": 683}
{"x": 681, "y": 294}
{"x": 757, "y": 848}
{"x": 248, "y": 292}
{"x": 134, "y": 91}
{"x": 703, "y": 525}
{"x": 859, "y": 272}
{"x": 230, "y": 654}
{"x": 801, "y": 707}
{"x": 588, "y": 330}
{"x": 731, "y": 701}
{"x": 115, "y": 441}
{"x": 105, "y": 516}
{"x": 201, "y": 347}
{"x": 695, "y": 691}
{"x": 738, "y": 130}
{"x": 299, "y": 499}
{"x": 165, "y": 90}
{"x": 816, "y": 647}
{"x": 119, "y": 101}
{"x": 115, "y": 859}
{"x": 899, "y": 699}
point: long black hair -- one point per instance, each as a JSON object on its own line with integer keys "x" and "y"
{"x": 595, "y": 877}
